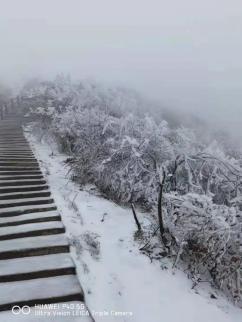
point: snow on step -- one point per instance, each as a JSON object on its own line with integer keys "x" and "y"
{"x": 9, "y": 142}
{"x": 42, "y": 288}
{"x": 23, "y": 208}
{"x": 18, "y": 163}
{"x": 14, "y": 146}
{"x": 22, "y": 155}
{"x": 15, "y": 151}
{"x": 22, "y": 177}
{"x": 2, "y": 180}
{"x": 30, "y": 227}
{"x": 24, "y": 195}
{"x": 22, "y": 186}
{"x": 30, "y": 188}
{"x": 21, "y": 182}
{"x": 34, "y": 264}
{"x": 18, "y": 154}
{"x": 14, "y": 165}
{"x": 18, "y": 147}
{"x": 21, "y": 203}
{"x": 25, "y": 176}
{"x": 19, "y": 211}
{"x": 33, "y": 242}
{"x": 33, "y": 215}
{"x": 19, "y": 168}
{"x": 14, "y": 142}
{"x": 13, "y": 201}
{"x": 13, "y": 173}
{"x": 17, "y": 158}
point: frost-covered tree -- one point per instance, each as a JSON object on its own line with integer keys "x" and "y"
{"x": 192, "y": 181}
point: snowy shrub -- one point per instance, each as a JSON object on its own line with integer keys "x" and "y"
{"x": 208, "y": 237}
{"x": 135, "y": 157}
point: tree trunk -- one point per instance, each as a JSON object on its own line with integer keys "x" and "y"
{"x": 135, "y": 217}
{"x": 160, "y": 201}
{"x": 160, "y": 215}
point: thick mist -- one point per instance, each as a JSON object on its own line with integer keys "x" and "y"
{"x": 186, "y": 54}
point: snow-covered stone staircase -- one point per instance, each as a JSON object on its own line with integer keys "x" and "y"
{"x": 35, "y": 267}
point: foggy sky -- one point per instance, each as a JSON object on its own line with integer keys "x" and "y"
{"x": 188, "y": 53}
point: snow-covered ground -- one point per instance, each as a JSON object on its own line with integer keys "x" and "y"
{"x": 120, "y": 283}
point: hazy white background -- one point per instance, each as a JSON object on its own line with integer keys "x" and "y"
{"x": 188, "y": 53}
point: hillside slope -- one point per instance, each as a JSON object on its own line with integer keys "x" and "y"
{"x": 117, "y": 278}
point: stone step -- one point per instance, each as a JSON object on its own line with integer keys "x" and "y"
{"x": 38, "y": 274}
{"x": 13, "y": 142}
{"x": 18, "y": 168}
{"x": 16, "y": 155}
{"x": 29, "y": 216}
{"x": 28, "y": 188}
{"x": 30, "y": 227}
{"x": 13, "y": 139}
{"x": 33, "y": 246}
{"x": 60, "y": 289}
{"x": 21, "y": 177}
{"x": 7, "y": 183}
{"x": 7, "y": 131}
{"x": 16, "y": 158}
{"x": 24, "y": 195}
{"x": 26, "y": 202}
{"x": 19, "y": 154}
{"x": 15, "y": 151}
{"x": 18, "y": 163}
{"x": 36, "y": 267}
{"x": 31, "y": 220}
{"x": 9, "y": 212}
{"x": 14, "y": 146}
{"x": 31, "y": 230}
{"x": 13, "y": 173}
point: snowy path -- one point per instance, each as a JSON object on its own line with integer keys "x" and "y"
{"x": 35, "y": 265}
